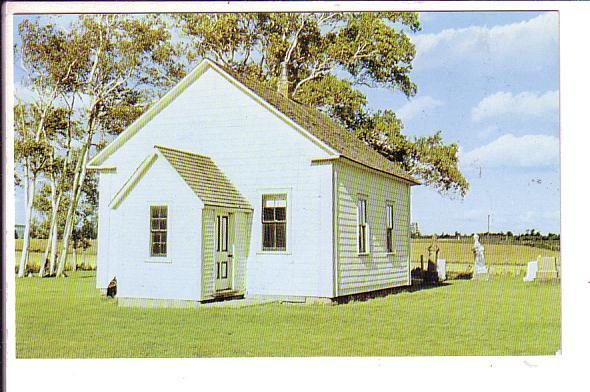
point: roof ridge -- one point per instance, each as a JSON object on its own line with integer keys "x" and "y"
{"x": 175, "y": 149}
{"x": 349, "y": 145}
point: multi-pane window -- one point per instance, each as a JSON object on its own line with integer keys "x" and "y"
{"x": 274, "y": 222}
{"x": 222, "y": 233}
{"x": 158, "y": 231}
{"x": 362, "y": 225}
{"x": 389, "y": 227}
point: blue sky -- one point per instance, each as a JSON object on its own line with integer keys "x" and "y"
{"x": 490, "y": 82}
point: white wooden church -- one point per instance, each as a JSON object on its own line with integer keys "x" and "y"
{"x": 226, "y": 188}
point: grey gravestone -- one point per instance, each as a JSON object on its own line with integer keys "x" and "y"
{"x": 441, "y": 269}
{"x": 433, "y": 250}
{"x": 480, "y": 271}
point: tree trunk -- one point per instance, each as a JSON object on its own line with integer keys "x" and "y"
{"x": 54, "y": 244}
{"x": 53, "y": 255}
{"x": 52, "y": 227}
{"x": 43, "y": 261}
{"x": 74, "y": 258}
{"x": 30, "y": 191}
{"x": 71, "y": 216}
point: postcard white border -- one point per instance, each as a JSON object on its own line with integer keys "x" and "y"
{"x": 453, "y": 373}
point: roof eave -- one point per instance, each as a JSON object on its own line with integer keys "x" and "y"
{"x": 410, "y": 180}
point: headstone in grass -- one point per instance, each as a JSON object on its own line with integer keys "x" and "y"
{"x": 547, "y": 268}
{"x": 431, "y": 273}
{"x": 441, "y": 269}
{"x": 480, "y": 271}
{"x": 433, "y": 249}
{"x": 531, "y": 271}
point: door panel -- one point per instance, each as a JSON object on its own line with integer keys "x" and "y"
{"x": 223, "y": 251}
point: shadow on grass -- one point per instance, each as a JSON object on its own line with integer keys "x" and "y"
{"x": 416, "y": 286}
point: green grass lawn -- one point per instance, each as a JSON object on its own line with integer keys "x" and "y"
{"x": 67, "y": 318}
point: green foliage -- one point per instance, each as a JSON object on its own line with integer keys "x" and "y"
{"x": 326, "y": 57}
{"x": 335, "y": 97}
{"x": 92, "y": 78}
{"x": 36, "y": 152}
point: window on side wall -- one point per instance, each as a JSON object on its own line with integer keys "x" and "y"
{"x": 274, "y": 222}
{"x": 158, "y": 231}
{"x": 389, "y": 228}
{"x": 363, "y": 234}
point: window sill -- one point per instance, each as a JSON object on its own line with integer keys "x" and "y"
{"x": 273, "y": 252}
{"x": 364, "y": 254}
{"x": 163, "y": 260}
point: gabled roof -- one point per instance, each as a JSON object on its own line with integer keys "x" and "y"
{"x": 198, "y": 171}
{"x": 324, "y": 128}
{"x": 320, "y": 126}
{"x": 205, "y": 179}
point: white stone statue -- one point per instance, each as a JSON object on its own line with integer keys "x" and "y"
{"x": 480, "y": 263}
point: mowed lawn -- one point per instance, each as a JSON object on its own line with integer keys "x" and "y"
{"x": 67, "y": 318}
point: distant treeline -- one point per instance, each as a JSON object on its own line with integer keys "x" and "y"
{"x": 550, "y": 241}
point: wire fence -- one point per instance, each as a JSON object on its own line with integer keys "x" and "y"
{"x": 504, "y": 255}
{"x": 81, "y": 257}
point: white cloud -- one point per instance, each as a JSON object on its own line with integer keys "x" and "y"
{"x": 489, "y": 44}
{"x": 516, "y": 151}
{"x": 524, "y": 103}
{"x": 417, "y": 106}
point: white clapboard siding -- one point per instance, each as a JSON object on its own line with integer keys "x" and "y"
{"x": 243, "y": 225}
{"x": 105, "y": 193}
{"x": 376, "y": 270}
{"x": 139, "y": 275}
{"x": 258, "y": 152}
{"x": 208, "y": 253}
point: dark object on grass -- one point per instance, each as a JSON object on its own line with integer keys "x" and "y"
{"x": 112, "y": 288}
{"x": 462, "y": 275}
{"x": 429, "y": 276}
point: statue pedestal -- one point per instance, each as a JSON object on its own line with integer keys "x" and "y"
{"x": 481, "y": 276}
{"x": 481, "y": 273}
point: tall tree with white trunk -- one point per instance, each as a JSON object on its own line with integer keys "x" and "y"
{"x": 98, "y": 73}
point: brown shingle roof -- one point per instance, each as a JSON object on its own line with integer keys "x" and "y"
{"x": 205, "y": 179}
{"x": 322, "y": 127}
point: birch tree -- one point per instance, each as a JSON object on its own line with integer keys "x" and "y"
{"x": 49, "y": 68}
{"x": 102, "y": 70}
{"x": 126, "y": 59}
{"x": 33, "y": 153}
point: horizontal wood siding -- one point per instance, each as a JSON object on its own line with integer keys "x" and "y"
{"x": 139, "y": 274}
{"x": 242, "y": 249}
{"x": 259, "y": 153}
{"x": 376, "y": 270}
{"x": 103, "y": 275}
{"x": 208, "y": 253}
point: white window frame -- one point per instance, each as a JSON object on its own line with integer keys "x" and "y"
{"x": 389, "y": 225}
{"x": 158, "y": 259}
{"x": 289, "y": 229}
{"x": 362, "y": 200}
